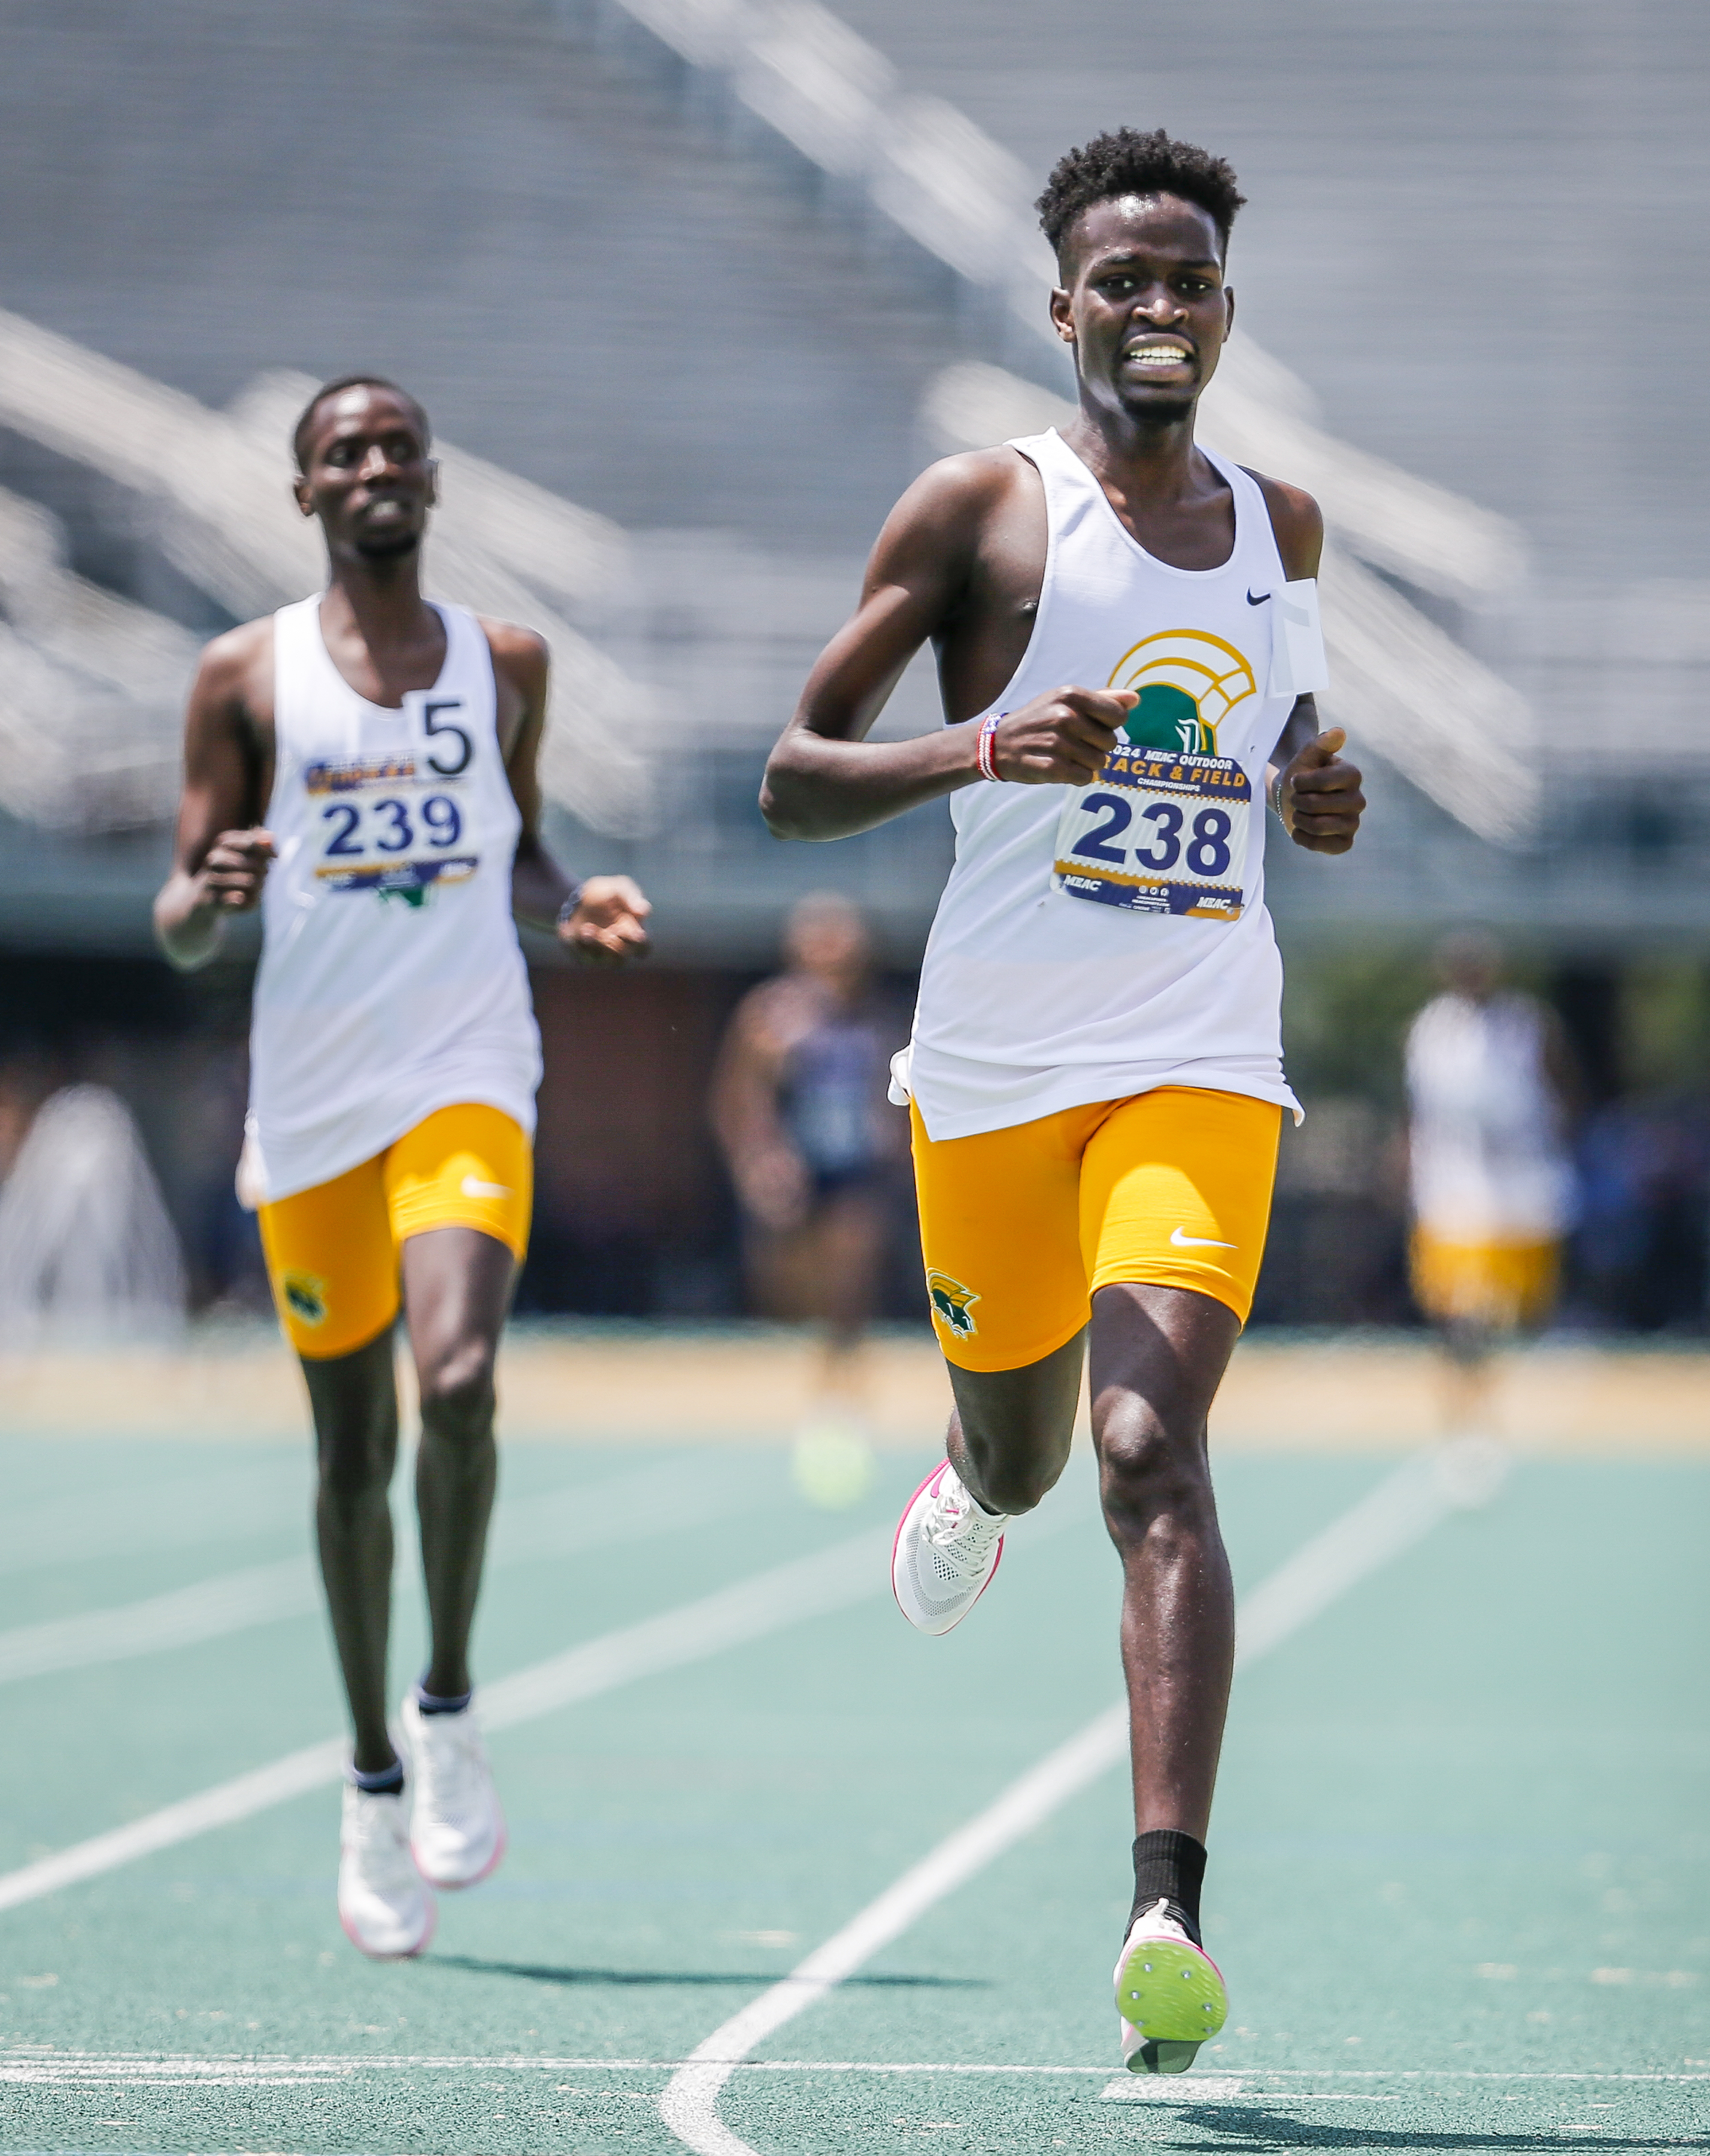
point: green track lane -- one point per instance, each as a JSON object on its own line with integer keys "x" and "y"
{"x": 1460, "y": 1833}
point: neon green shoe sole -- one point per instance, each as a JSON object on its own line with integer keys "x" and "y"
{"x": 1171, "y": 1997}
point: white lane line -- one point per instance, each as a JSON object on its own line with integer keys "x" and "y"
{"x": 43, "y": 2064}
{"x": 770, "y": 1601}
{"x": 154, "y": 1515}
{"x": 1225, "y": 2088}
{"x": 658, "y": 1501}
{"x": 260, "y": 1595}
{"x": 1402, "y": 1508}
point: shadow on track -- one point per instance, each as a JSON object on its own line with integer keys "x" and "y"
{"x": 1260, "y": 2131}
{"x": 748, "y": 1979}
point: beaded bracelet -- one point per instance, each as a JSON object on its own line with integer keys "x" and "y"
{"x": 984, "y": 750}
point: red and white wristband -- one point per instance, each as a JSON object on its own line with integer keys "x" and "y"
{"x": 985, "y": 749}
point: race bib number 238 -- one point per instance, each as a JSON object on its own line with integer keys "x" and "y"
{"x": 1158, "y": 832}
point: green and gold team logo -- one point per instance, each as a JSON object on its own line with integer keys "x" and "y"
{"x": 305, "y": 1298}
{"x": 1187, "y": 682}
{"x": 952, "y": 1305}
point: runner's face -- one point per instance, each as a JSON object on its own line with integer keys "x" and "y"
{"x": 1146, "y": 307}
{"x": 370, "y": 478}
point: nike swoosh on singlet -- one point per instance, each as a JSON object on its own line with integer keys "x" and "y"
{"x": 473, "y": 1187}
{"x": 1199, "y": 1242}
{"x": 1259, "y": 601}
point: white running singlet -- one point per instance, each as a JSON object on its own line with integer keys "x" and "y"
{"x": 1486, "y": 1152}
{"x": 391, "y": 983}
{"x": 1101, "y": 941}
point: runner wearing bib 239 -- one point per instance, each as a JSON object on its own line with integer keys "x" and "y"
{"x": 392, "y": 747}
{"x": 1126, "y": 629}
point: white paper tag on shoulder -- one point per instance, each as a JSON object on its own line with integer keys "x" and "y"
{"x": 1298, "y": 667}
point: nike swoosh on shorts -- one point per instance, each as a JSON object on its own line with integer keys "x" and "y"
{"x": 1259, "y": 601}
{"x": 473, "y": 1187}
{"x": 1199, "y": 1242}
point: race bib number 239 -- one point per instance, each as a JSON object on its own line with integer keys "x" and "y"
{"x": 1158, "y": 832}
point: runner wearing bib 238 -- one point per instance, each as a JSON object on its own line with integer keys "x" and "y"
{"x": 1127, "y": 637}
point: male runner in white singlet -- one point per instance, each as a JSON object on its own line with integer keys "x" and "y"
{"x": 1126, "y": 632}
{"x": 392, "y": 746}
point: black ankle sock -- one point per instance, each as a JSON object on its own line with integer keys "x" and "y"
{"x": 383, "y": 1782}
{"x": 1170, "y": 1866}
{"x": 430, "y": 1703}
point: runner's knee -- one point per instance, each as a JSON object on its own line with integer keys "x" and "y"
{"x": 458, "y": 1395}
{"x": 355, "y": 1464}
{"x": 1148, "y": 1468}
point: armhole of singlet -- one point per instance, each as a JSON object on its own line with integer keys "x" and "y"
{"x": 279, "y": 742}
{"x": 1252, "y": 479}
{"x": 464, "y": 622}
{"x": 1046, "y": 577}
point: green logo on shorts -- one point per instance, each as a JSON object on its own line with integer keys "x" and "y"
{"x": 305, "y": 1296}
{"x": 952, "y": 1304}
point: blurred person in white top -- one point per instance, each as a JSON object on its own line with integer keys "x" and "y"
{"x": 1490, "y": 1088}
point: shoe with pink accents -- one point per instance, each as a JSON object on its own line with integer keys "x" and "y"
{"x": 946, "y": 1551}
{"x": 384, "y": 1906}
{"x": 457, "y": 1824}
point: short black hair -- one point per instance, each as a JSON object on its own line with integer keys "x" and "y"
{"x": 305, "y": 419}
{"x": 1130, "y": 163}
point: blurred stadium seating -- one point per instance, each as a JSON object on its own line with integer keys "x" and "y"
{"x": 692, "y": 288}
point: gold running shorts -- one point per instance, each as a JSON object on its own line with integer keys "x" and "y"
{"x": 332, "y": 1251}
{"x": 1019, "y": 1227}
{"x": 1499, "y": 1286}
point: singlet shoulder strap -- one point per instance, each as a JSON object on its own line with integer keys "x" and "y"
{"x": 468, "y": 656}
{"x": 300, "y": 666}
{"x": 296, "y": 628}
{"x": 1252, "y": 509}
{"x": 1055, "y": 462}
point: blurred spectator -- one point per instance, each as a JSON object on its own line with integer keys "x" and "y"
{"x": 1489, "y": 1084}
{"x": 816, "y": 1151}
{"x": 1640, "y": 1246}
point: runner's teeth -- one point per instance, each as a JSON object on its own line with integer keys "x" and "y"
{"x": 1158, "y": 354}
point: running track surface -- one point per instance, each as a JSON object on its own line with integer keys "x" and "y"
{"x": 1461, "y": 1865}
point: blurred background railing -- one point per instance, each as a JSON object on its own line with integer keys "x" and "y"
{"x": 692, "y": 288}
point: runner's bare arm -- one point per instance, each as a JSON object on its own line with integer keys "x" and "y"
{"x": 824, "y": 779}
{"x": 220, "y": 857}
{"x": 606, "y": 925}
{"x": 1316, "y": 794}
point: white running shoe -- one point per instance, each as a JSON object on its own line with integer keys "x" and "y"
{"x": 946, "y": 1551}
{"x": 385, "y": 1910}
{"x": 1168, "y": 1993}
{"x": 457, "y": 1827}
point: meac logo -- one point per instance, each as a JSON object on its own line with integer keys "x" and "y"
{"x": 1188, "y": 681}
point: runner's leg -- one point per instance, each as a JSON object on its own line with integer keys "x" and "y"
{"x": 355, "y": 1404}
{"x": 1009, "y": 1429}
{"x": 1158, "y": 1356}
{"x": 457, "y": 1285}
{"x": 334, "y": 1274}
{"x": 1175, "y": 1195}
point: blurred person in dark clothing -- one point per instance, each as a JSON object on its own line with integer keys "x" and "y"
{"x": 1490, "y": 1084}
{"x": 1641, "y": 1244}
{"x": 814, "y": 1148}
